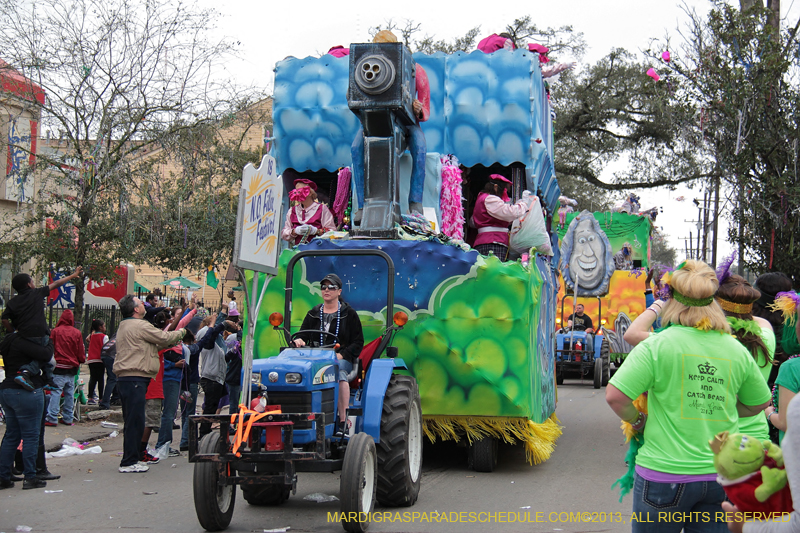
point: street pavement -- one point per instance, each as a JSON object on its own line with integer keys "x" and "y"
{"x": 93, "y": 496}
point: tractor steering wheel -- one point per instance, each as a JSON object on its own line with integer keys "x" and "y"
{"x": 315, "y": 331}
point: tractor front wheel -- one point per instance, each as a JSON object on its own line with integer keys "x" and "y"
{"x": 598, "y": 373}
{"x": 358, "y": 482}
{"x": 213, "y": 502}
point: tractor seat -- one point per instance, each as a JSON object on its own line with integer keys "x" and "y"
{"x": 362, "y": 365}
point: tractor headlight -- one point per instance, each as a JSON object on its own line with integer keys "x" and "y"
{"x": 294, "y": 378}
{"x": 255, "y": 377}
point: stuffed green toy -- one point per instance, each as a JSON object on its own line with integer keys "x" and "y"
{"x": 752, "y": 473}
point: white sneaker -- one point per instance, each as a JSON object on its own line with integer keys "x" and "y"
{"x": 134, "y": 468}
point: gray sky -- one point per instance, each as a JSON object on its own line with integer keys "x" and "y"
{"x": 269, "y": 31}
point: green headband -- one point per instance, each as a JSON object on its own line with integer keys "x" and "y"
{"x": 691, "y": 302}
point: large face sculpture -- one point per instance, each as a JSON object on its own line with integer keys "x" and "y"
{"x": 586, "y": 256}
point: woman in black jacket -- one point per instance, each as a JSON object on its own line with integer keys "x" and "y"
{"x": 335, "y": 316}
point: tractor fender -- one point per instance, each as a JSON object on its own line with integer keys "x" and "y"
{"x": 375, "y": 383}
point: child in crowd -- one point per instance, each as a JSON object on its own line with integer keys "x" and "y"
{"x": 97, "y": 339}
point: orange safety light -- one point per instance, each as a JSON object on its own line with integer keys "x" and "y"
{"x": 276, "y": 319}
{"x": 400, "y": 318}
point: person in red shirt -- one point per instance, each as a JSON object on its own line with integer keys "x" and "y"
{"x": 70, "y": 355}
{"x": 97, "y": 370}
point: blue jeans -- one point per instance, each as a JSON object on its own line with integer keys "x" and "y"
{"x": 65, "y": 384}
{"x": 654, "y": 504}
{"x": 234, "y": 392}
{"x": 23, "y": 410}
{"x": 111, "y": 383}
{"x": 416, "y": 146}
{"x": 172, "y": 390}
{"x": 188, "y": 409}
{"x": 132, "y": 394}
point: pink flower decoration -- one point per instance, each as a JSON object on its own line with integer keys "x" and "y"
{"x": 653, "y": 74}
{"x": 665, "y": 55}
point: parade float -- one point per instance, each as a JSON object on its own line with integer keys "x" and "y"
{"x": 613, "y": 297}
{"x": 480, "y": 331}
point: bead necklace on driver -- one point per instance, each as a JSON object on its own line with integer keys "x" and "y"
{"x": 322, "y": 321}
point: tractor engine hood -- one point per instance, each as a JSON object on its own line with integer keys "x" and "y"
{"x": 299, "y": 369}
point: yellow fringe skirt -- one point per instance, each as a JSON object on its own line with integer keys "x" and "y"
{"x": 539, "y": 439}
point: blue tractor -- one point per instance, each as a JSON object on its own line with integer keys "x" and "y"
{"x": 380, "y": 456}
{"x": 574, "y": 357}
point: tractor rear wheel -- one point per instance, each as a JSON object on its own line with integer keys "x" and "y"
{"x": 400, "y": 448}
{"x": 213, "y": 502}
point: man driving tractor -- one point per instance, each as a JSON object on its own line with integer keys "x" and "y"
{"x": 579, "y": 321}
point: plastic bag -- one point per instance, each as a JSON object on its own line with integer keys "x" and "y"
{"x": 67, "y": 451}
{"x": 529, "y": 231}
{"x": 163, "y": 451}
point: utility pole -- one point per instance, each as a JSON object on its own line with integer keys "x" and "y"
{"x": 715, "y": 224}
{"x": 740, "y": 269}
{"x": 699, "y": 228}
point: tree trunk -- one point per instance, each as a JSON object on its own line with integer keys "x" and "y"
{"x": 744, "y": 5}
{"x": 774, "y": 19}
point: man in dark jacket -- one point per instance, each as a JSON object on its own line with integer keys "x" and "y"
{"x": 70, "y": 355}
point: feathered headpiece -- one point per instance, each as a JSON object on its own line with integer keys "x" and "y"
{"x": 786, "y": 303}
{"x": 724, "y": 268}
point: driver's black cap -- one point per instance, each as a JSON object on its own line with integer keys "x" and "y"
{"x": 333, "y": 278}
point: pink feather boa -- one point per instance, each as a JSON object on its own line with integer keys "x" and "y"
{"x": 450, "y": 202}
{"x": 342, "y": 193}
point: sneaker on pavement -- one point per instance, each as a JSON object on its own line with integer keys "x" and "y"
{"x": 6, "y": 484}
{"x": 61, "y": 421}
{"x": 22, "y": 380}
{"x": 33, "y": 483}
{"x": 91, "y": 401}
{"x": 134, "y": 468}
{"x": 47, "y": 475}
{"x": 184, "y": 447}
{"x": 174, "y": 453}
{"x": 50, "y": 424}
{"x": 149, "y": 459}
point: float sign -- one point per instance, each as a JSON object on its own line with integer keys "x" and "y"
{"x": 259, "y": 221}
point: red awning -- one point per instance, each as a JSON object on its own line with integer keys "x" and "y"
{"x": 15, "y": 83}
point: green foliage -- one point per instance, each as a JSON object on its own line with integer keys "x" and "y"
{"x": 187, "y": 219}
{"x": 742, "y": 75}
{"x": 613, "y": 113}
{"x": 123, "y": 78}
{"x": 661, "y": 253}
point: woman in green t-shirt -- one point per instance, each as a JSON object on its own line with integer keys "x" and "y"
{"x": 736, "y": 297}
{"x": 699, "y": 380}
{"x": 787, "y": 384}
